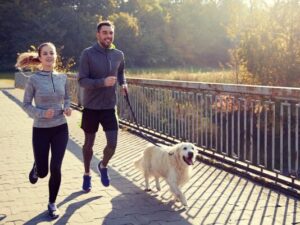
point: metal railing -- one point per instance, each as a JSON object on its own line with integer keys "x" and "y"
{"x": 257, "y": 125}
{"x": 253, "y": 126}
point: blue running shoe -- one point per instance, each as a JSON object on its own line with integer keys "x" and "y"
{"x": 87, "y": 185}
{"x": 104, "y": 175}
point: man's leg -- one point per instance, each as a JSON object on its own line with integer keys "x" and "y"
{"x": 87, "y": 150}
{"x": 110, "y": 148}
{"x": 89, "y": 125}
{"x": 109, "y": 122}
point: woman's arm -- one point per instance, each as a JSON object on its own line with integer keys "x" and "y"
{"x": 32, "y": 111}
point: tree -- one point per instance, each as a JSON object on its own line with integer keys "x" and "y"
{"x": 127, "y": 32}
{"x": 197, "y": 34}
{"x": 269, "y": 44}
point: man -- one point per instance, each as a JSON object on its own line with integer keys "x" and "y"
{"x": 101, "y": 66}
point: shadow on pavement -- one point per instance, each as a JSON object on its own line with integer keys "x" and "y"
{"x": 214, "y": 196}
{"x": 43, "y": 217}
{"x": 12, "y": 97}
{"x": 133, "y": 205}
{"x": 2, "y": 216}
{"x": 72, "y": 208}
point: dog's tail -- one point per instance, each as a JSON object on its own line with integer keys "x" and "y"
{"x": 138, "y": 163}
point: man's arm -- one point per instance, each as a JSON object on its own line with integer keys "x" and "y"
{"x": 84, "y": 74}
{"x": 121, "y": 73}
{"x": 121, "y": 77}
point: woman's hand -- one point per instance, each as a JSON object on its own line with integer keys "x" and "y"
{"x": 49, "y": 113}
{"x": 68, "y": 111}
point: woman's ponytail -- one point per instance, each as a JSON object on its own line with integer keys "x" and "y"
{"x": 28, "y": 60}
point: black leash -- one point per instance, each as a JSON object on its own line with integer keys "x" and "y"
{"x": 126, "y": 96}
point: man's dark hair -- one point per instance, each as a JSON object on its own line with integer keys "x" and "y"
{"x": 105, "y": 23}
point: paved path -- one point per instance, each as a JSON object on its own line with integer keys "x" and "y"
{"x": 214, "y": 196}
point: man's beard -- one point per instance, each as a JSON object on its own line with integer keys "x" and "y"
{"x": 105, "y": 45}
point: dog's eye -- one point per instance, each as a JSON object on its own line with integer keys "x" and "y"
{"x": 185, "y": 148}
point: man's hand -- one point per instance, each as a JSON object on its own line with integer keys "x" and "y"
{"x": 110, "y": 81}
{"x": 124, "y": 89}
{"x": 68, "y": 111}
{"x": 49, "y": 113}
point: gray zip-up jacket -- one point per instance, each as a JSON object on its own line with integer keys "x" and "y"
{"x": 48, "y": 90}
{"x": 97, "y": 63}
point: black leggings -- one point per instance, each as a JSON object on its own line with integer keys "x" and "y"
{"x": 42, "y": 140}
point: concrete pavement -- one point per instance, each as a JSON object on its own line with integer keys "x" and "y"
{"x": 214, "y": 196}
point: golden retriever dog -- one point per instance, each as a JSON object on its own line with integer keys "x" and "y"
{"x": 169, "y": 162}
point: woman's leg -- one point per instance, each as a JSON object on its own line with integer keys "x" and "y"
{"x": 58, "y": 147}
{"x": 41, "y": 147}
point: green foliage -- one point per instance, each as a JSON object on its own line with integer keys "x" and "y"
{"x": 258, "y": 41}
{"x": 196, "y": 33}
{"x": 269, "y": 44}
{"x": 126, "y": 37}
{"x": 64, "y": 65}
{"x": 60, "y": 22}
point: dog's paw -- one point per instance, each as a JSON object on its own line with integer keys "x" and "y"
{"x": 175, "y": 199}
{"x": 148, "y": 189}
{"x": 184, "y": 203}
{"x": 185, "y": 207}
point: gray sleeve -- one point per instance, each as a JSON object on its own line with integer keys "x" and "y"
{"x": 32, "y": 111}
{"x": 84, "y": 74}
{"x": 121, "y": 74}
{"x": 67, "y": 100}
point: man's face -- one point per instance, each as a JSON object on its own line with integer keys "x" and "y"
{"x": 105, "y": 36}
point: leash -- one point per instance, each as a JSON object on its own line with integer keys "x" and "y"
{"x": 126, "y": 96}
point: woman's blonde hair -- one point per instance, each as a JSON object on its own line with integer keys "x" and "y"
{"x": 30, "y": 60}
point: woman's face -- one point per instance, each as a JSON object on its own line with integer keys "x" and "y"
{"x": 48, "y": 57}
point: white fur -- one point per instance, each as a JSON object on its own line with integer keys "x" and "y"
{"x": 168, "y": 163}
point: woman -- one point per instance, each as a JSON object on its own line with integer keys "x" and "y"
{"x": 49, "y": 91}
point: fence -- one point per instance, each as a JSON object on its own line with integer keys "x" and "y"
{"x": 254, "y": 125}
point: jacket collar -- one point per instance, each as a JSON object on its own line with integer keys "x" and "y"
{"x": 45, "y": 73}
{"x": 103, "y": 50}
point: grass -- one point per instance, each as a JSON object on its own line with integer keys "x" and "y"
{"x": 7, "y": 75}
{"x": 7, "y": 79}
{"x": 183, "y": 75}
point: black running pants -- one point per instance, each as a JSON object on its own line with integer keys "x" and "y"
{"x": 44, "y": 139}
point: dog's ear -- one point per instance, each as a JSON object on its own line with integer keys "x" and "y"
{"x": 173, "y": 150}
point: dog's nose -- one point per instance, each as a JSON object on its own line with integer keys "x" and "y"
{"x": 190, "y": 154}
